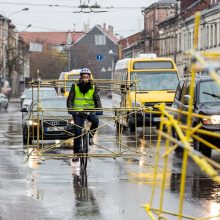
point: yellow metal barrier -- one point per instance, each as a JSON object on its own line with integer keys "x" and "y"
{"x": 185, "y": 134}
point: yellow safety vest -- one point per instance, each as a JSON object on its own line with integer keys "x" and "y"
{"x": 83, "y": 101}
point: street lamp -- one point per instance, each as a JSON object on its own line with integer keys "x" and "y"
{"x": 5, "y": 38}
{"x": 28, "y": 26}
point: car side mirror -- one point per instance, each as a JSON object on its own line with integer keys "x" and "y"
{"x": 186, "y": 99}
{"x": 24, "y": 110}
{"x": 62, "y": 90}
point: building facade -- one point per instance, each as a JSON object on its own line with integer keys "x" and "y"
{"x": 10, "y": 59}
{"x": 153, "y": 16}
{"x": 177, "y": 35}
{"x": 97, "y": 50}
{"x": 131, "y": 46}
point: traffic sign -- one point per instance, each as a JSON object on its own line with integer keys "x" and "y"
{"x": 103, "y": 69}
{"x": 99, "y": 57}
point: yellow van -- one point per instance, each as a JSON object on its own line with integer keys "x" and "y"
{"x": 69, "y": 78}
{"x": 143, "y": 81}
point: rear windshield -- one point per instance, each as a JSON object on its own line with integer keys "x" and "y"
{"x": 43, "y": 93}
{"x": 141, "y": 65}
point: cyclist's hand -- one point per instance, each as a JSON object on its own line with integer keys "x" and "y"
{"x": 99, "y": 113}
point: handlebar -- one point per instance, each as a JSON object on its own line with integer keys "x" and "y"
{"x": 86, "y": 112}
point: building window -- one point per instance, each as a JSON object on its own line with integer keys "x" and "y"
{"x": 184, "y": 41}
{"x": 189, "y": 40}
{"x": 180, "y": 46}
{"x": 218, "y": 32}
{"x": 216, "y": 35}
{"x": 171, "y": 44}
{"x": 100, "y": 39}
{"x": 200, "y": 38}
{"x": 207, "y": 34}
{"x": 175, "y": 43}
{"x": 211, "y": 36}
{"x": 166, "y": 43}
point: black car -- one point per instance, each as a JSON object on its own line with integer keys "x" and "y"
{"x": 206, "y": 102}
{"x": 54, "y": 121}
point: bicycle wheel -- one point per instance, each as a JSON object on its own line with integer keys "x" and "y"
{"x": 84, "y": 151}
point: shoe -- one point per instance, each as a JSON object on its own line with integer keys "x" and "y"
{"x": 91, "y": 142}
{"x": 75, "y": 166}
{"x": 75, "y": 159}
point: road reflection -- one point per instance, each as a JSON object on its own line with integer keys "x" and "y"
{"x": 200, "y": 190}
{"x": 85, "y": 201}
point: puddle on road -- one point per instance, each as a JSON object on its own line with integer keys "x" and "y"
{"x": 85, "y": 204}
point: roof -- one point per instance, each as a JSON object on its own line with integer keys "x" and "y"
{"x": 127, "y": 42}
{"x": 51, "y": 38}
{"x": 161, "y": 3}
{"x": 112, "y": 37}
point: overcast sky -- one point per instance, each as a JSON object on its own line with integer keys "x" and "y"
{"x": 126, "y": 16}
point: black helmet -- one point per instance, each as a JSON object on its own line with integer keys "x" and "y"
{"x": 85, "y": 71}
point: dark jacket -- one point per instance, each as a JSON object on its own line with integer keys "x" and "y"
{"x": 71, "y": 98}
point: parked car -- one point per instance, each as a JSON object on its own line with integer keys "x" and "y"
{"x": 206, "y": 102}
{"x": 32, "y": 94}
{"x": 23, "y": 95}
{"x": 3, "y": 101}
{"x": 52, "y": 121}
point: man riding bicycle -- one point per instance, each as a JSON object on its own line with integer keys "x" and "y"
{"x": 84, "y": 95}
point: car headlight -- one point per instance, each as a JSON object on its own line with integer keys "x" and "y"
{"x": 32, "y": 122}
{"x": 213, "y": 120}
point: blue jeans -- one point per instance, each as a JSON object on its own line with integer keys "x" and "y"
{"x": 79, "y": 122}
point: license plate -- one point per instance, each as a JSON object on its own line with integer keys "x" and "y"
{"x": 156, "y": 119}
{"x": 55, "y": 129}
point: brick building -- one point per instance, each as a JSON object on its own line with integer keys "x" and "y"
{"x": 153, "y": 15}
{"x": 131, "y": 45}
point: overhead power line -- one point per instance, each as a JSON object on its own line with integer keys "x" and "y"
{"x": 82, "y": 6}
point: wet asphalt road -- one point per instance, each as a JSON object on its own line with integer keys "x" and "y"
{"x": 112, "y": 189}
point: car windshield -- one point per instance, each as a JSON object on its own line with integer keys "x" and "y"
{"x": 154, "y": 81}
{"x": 53, "y": 106}
{"x": 69, "y": 83}
{"x": 209, "y": 92}
{"x": 44, "y": 93}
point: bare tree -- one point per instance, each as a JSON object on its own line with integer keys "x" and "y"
{"x": 49, "y": 62}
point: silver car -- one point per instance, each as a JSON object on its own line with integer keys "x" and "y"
{"x": 3, "y": 101}
{"x": 32, "y": 93}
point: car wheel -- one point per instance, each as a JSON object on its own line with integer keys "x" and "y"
{"x": 6, "y": 107}
{"x": 25, "y": 139}
{"x": 132, "y": 127}
{"x": 197, "y": 145}
{"x": 178, "y": 149}
{"x": 207, "y": 151}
